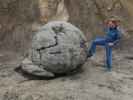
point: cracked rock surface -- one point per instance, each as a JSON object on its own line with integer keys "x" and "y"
{"x": 55, "y": 50}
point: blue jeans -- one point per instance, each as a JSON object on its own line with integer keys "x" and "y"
{"x": 103, "y": 41}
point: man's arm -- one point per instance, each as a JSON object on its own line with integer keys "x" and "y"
{"x": 113, "y": 43}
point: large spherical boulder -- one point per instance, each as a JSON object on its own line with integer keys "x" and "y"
{"x": 55, "y": 50}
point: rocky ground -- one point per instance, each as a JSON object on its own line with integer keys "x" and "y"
{"x": 91, "y": 82}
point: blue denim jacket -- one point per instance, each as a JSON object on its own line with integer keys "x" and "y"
{"x": 113, "y": 34}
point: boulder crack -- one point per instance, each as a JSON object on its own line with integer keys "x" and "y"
{"x": 50, "y": 46}
{"x": 53, "y": 45}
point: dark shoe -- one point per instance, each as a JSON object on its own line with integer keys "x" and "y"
{"x": 89, "y": 54}
{"x": 108, "y": 69}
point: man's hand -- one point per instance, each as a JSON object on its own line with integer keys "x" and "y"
{"x": 110, "y": 44}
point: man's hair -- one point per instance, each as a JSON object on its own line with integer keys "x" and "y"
{"x": 113, "y": 19}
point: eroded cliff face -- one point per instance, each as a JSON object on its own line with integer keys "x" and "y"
{"x": 16, "y": 17}
{"x": 52, "y": 10}
{"x": 20, "y": 18}
{"x": 90, "y": 14}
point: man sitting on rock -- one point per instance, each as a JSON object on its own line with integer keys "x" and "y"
{"x": 108, "y": 41}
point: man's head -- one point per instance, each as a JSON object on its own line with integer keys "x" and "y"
{"x": 112, "y": 23}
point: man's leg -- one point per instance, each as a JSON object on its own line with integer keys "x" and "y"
{"x": 92, "y": 49}
{"x": 108, "y": 57}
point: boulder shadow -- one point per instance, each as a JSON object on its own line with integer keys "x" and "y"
{"x": 28, "y": 76}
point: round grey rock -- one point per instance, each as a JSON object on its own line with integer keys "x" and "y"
{"x": 55, "y": 50}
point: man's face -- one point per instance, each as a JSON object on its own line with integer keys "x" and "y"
{"x": 111, "y": 24}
